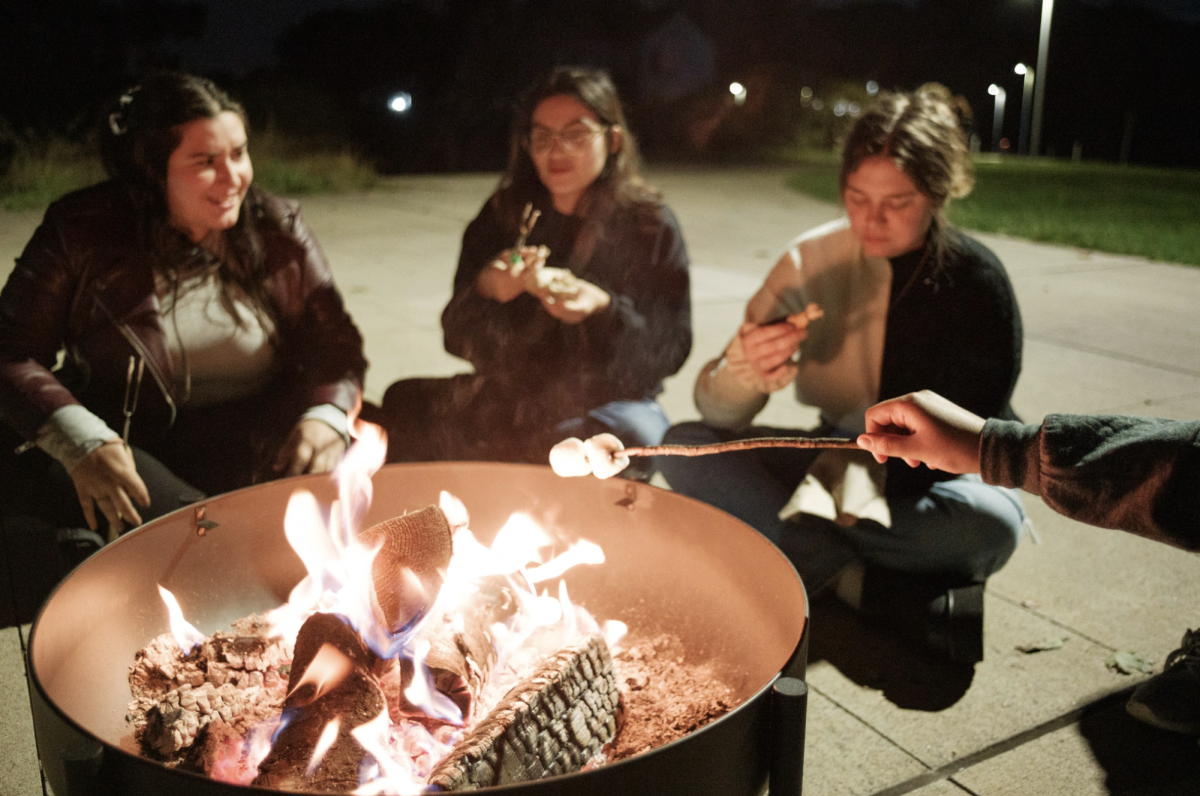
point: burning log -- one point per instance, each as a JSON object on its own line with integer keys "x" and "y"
{"x": 551, "y": 723}
{"x": 349, "y": 694}
{"x": 461, "y": 654}
{"x": 407, "y": 572}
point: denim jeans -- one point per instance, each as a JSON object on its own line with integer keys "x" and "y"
{"x": 961, "y": 527}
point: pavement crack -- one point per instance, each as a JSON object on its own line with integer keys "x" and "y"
{"x": 945, "y": 772}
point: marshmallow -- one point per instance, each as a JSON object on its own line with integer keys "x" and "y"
{"x": 569, "y": 458}
{"x": 602, "y": 452}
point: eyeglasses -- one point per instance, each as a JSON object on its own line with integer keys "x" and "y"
{"x": 572, "y": 139}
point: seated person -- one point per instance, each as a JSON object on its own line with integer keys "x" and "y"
{"x": 203, "y": 344}
{"x": 888, "y": 300}
{"x": 571, "y": 296}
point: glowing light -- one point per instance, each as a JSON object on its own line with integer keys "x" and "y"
{"x": 738, "y": 91}
{"x": 421, "y": 691}
{"x": 187, "y": 636}
{"x": 1020, "y": 69}
{"x": 327, "y": 670}
{"x": 400, "y": 102}
{"x": 806, "y": 93}
{"x": 872, "y": 88}
{"x": 328, "y": 736}
{"x": 993, "y": 89}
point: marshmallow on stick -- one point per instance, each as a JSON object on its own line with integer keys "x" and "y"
{"x": 604, "y": 455}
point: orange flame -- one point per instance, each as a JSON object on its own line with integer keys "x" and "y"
{"x": 328, "y": 668}
{"x": 187, "y": 636}
{"x": 328, "y": 736}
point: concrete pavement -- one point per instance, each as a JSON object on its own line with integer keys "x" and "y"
{"x": 1103, "y": 334}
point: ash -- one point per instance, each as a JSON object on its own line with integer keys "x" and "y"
{"x": 664, "y": 697}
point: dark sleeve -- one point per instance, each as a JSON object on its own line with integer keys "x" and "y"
{"x": 1136, "y": 474}
{"x": 645, "y": 334}
{"x": 34, "y": 311}
{"x": 982, "y": 354}
{"x": 478, "y": 329}
{"x": 323, "y": 343}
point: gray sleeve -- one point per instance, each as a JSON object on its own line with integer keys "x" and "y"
{"x": 1140, "y": 475}
{"x": 71, "y": 433}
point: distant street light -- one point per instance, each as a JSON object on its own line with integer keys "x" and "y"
{"x": 739, "y": 93}
{"x": 1039, "y": 94}
{"x": 998, "y": 118}
{"x": 400, "y": 102}
{"x": 1026, "y": 106}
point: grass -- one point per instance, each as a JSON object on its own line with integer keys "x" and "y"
{"x": 1133, "y": 210}
{"x": 43, "y": 169}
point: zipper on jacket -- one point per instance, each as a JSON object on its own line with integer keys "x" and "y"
{"x": 137, "y": 346}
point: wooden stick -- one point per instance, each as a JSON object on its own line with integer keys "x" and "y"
{"x": 741, "y": 445}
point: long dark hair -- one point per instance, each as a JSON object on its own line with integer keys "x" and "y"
{"x": 138, "y": 133}
{"x": 920, "y": 132}
{"x": 620, "y": 183}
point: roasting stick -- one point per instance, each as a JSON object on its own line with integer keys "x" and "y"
{"x": 604, "y": 455}
{"x": 528, "y": 218}
{"x": 740, "y": 445}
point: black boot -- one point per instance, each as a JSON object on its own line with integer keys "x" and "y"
{"x": 944, "y": 614}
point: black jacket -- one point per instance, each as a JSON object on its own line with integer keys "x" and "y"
{"x": 623, "y": 352}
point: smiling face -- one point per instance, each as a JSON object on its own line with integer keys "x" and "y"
{"x": 888, "y": 214}
{"x": 569, "y": 148}
{"x": 208, "y": 175}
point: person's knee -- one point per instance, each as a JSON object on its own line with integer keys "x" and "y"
{"x": 995, "y": 528}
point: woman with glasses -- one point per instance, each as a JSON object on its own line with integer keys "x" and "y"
{"x": 571, "y": 297}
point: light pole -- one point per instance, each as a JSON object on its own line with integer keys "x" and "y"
{"x": 1026, "y": 97}
{"x": 1039, "y": 93}
{"x": 998, "y": 118}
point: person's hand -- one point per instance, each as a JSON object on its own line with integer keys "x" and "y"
{"x": 503, "y": 280}
{"x": 312, "y": 447}
{"x": 107, "y": 477}
{"x": 565, "y": 296}
{"x": 924, "y": 427}
{"x": 771, "y": 349}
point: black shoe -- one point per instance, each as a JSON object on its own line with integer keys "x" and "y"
{"x": 945, "y": 615}
{"x": 1171, "y": 700}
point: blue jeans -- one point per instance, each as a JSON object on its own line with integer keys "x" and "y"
{"x": 960, "y": 527}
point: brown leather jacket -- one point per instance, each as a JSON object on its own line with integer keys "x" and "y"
{"x": 85, "y": 284}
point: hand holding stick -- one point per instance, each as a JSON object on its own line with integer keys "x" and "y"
{"x": 604, "y": 455}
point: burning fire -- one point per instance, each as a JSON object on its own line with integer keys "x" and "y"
{"x": 339, "y": 581}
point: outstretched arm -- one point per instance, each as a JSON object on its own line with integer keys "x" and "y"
{"x": 1131, "y": 473}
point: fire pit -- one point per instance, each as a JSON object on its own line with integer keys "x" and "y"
{"x": 673, "y": 565}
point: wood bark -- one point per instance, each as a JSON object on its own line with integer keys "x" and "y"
{"x": 551, "y": 723}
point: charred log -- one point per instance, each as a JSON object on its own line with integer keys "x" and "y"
{"x": 312, "y": 703}
{"x": 407, "y": 573}
{"x": 551, "y": 723}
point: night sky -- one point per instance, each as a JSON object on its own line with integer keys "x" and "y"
{"x": 1122, "y": 73}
